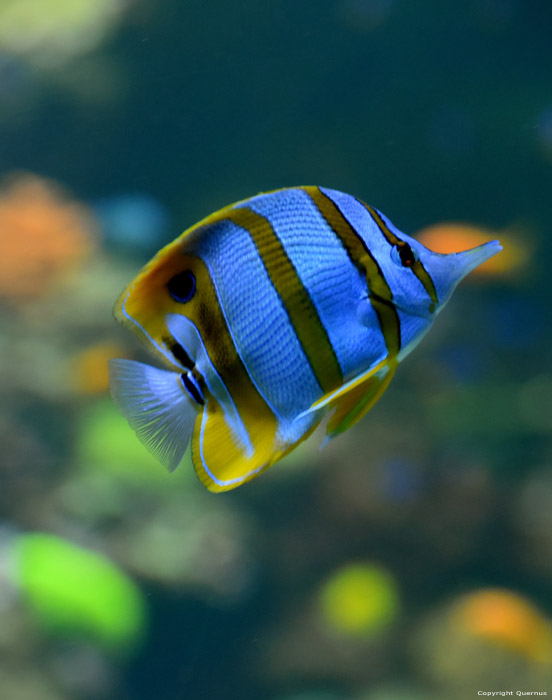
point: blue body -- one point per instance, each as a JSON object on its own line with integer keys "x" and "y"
{"x": 302, "y": 301}
{"x": 262, "y": 332}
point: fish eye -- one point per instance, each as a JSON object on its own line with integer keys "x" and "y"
{"x": 402, "y": 254}
{"x": 182, "y": 286}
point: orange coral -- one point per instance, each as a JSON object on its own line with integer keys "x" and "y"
{"x": 90, "y": 373}
{"x": 42, "y": 233}
{"x": 507, "y": 619}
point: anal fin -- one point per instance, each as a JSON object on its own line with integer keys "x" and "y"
{"x": 355, "y": 398}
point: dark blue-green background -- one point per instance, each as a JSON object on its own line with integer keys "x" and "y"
{"x": 430, "y": 111}
{"x": 215, "y": 100}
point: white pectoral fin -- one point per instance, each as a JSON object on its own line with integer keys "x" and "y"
{"x": 157, "y": 407}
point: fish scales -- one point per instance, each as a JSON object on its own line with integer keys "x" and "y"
{"x": 265, "y": 340}
{"x": 269, "y": 315}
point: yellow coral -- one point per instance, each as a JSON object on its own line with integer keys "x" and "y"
{"x": 54, "y": 31}
{"x": 360, "y": 599}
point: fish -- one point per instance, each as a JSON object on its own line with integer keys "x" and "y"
{"x": 269, "y": 316}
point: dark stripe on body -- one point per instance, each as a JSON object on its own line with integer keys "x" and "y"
{"x": 360, "y": 255}
{"x": 417, "y": 268}
{"x": 206, "y": 313}
{"x": 295, "y": 298}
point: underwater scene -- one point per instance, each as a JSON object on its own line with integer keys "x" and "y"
{"x": 400, "y": 547}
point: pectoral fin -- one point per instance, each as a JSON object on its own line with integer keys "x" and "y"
{"x": 157, "y": 406}
{"x": 355, "y": 398}
{"x": 356, "y": 403}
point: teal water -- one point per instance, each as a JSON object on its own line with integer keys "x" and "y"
{"x": 409, "y": 559}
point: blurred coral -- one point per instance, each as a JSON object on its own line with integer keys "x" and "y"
{"x": 506, "y": 619}
{"x": 75, "y": 592}
{"x": 90, "y": 373}
{"x": 134, "y": 222}
{"x": 359, "y": 600}
{"x": 486, "y": 637}
{"x": 42, "y": 233}
{"x": 54, "y": 31}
